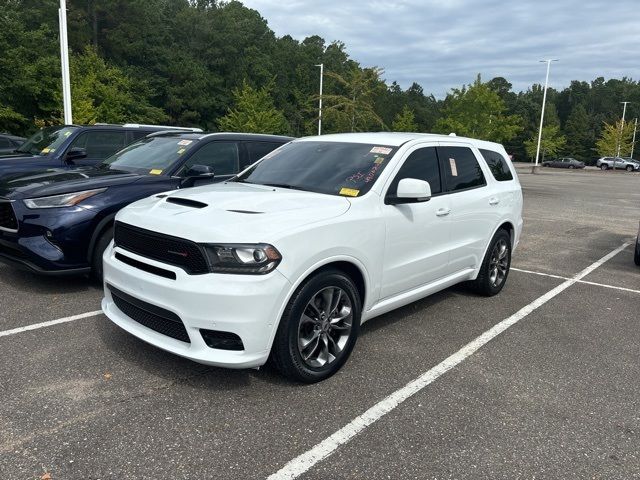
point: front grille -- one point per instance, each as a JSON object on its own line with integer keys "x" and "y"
{"x": 176, "y": 251}
{"x": 153, "y": 317}
{"x": 7, "y": 216}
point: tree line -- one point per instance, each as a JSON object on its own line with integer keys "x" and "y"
{"x": 219, "y": 66}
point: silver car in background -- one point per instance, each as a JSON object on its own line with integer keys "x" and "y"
{"x": 620, "y": 163}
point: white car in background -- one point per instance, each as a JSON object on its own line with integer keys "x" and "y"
{"x": 286, "y": 260}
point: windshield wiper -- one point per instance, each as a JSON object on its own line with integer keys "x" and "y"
{"x": 281, "y": 185}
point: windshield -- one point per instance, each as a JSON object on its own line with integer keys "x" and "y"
{"x": 153, "y": 155}
{"x": 46, "y": 140}
{"x": 334, "y": 168}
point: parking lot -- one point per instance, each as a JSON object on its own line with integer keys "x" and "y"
{"x": 540, "y": 381}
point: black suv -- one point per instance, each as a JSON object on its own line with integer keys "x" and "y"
{"x": 66, "y": 146}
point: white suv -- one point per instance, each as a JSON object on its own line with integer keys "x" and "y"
{"x": 286, "y": 260}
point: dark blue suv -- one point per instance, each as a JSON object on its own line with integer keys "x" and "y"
{"x": 60, "y": 221}
{"x": 69, "y": 146}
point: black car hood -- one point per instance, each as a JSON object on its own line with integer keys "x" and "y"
{"x": 59, "y": 181}
{"x": 17, "y": 156}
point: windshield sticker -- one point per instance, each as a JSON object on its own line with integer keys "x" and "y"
{"x": 454, "y": 169}
{"x": 181, "y": 151}
{"x": 381, "y": 150}
{"x": 155, "y": 171}
{"x": 66, "y": 134}
{"x": 185, "y": 142}
{"x": 379, "y": 160}
{"x": 349, "y": 192}
{"x": 45, "y": 150}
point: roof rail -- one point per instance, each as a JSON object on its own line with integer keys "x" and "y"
{"x": 168, "y": 127}
{"x": 159, "y": 133}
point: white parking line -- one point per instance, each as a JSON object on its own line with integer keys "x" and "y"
{"x": 35, "y": 326}
{"x": 615, "y": 287}
{"x": 322, "y": 450}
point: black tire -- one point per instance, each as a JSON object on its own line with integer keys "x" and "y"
{"x": 571, "y": 167}
{"x": 629, "y": 168}
{"x": 604, "y": 166}
{"x": 636, "y": 255}
{"x": 96, "y": 259}
{"x": 484, "y": 284}
{"x": 286, "y": 353}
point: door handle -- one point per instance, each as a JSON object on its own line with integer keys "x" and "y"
{"x": 494, "y": 201}
{"x": 441, "y": 212}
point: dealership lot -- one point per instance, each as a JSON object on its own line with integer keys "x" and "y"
{"x": 553, "y": 396}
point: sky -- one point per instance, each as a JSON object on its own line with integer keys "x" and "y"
{"x": 442, "y": 44}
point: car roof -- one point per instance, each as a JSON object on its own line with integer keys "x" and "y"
{"x": 258, "y": 137}
{"x": 397, "y": 139}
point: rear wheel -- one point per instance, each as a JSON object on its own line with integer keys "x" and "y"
{"x": 101, "y": 246}
{"x": 495, "y": 266}
{"x": 318, "y": 329}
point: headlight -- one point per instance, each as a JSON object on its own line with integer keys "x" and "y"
{"x": 256, "y": 259}
{"x": 64, "y": 200}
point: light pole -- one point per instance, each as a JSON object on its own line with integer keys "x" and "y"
{"x": 633, "y": 142}
{"x": 320, "y": 101}
{"x": 624, "y": 112}
{"x": 544, "y": 101}
{"x": 64, "y": 62}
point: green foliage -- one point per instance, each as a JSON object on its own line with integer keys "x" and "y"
{"x": 352, "y": 109}
{"x": 551, "y": 144}
{"x": 254, "y": 112}
{"x": 614, "y": 135}
{"x": 103, "y": 93}
{"x": 405, "y": 121}
{"x": 477, "y": 111}
{"x": 579, "y": 134}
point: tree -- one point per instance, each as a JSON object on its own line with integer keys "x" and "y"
{"x": 551, "y": 144}
{"x": 613, "y": 135}
{"x": 103, "y": 93}
{"x": 405, "y": 121}
{"x": 579, "y": 134}
{"x": 352, "y": 108}
{"x": 477, "y": 111}
{"x": 253, "y": 112}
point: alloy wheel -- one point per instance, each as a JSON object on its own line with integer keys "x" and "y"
{"x": 325, "y": 327}
{"x": 499, "y": 263}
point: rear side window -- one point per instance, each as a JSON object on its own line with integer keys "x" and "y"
{"x": 422, "y": 165}
{"x": 461, "y": 168}
{"x": 100, "y": 144}
{"x": 498, "y": 165}
{"x": 257, "y": 150}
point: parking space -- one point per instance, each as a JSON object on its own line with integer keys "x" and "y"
{"x": 554, "y": 396}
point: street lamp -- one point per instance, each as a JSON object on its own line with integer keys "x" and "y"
{"x": 320, "y": 101}
{"x": 544, "y": 101}
{"x": 64, "y": 62}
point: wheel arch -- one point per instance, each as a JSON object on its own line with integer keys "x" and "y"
{"x": 101, "y": 227}
{"x": 506, "y": 225}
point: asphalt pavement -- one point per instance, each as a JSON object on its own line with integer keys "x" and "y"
{"x": 555, "y": 395}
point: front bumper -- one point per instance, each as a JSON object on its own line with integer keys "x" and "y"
{"x": 246, "y": 305}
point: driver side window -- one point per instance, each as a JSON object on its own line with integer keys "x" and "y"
{"x": 221, "y": 156}
{"x": 421, "y": 164}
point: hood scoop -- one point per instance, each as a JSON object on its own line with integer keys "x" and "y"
{"x": 185, "y": 202}
{"x": 247, "y": 212}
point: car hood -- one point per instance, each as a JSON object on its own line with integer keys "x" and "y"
{"x": 17, "y": 156}
{"x": 59, "y": 181}
{"x": 232, "y": 212}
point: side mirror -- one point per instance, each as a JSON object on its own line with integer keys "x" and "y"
{"x": 196, "y": 172}
{"x": 75, "y": 153}
{"x": 410, "y": 190}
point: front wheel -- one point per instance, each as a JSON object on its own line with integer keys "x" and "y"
{"x": 571, "y": 167}
{"x": 98, "y": 252}
{"x": 603, "y": 167}
{"x": 318, "y": 329}
{"x": 629, "y": 168}
{"x": 495, "y": 266}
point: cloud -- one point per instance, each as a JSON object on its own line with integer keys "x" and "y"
{"x": 443, "y": 44}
